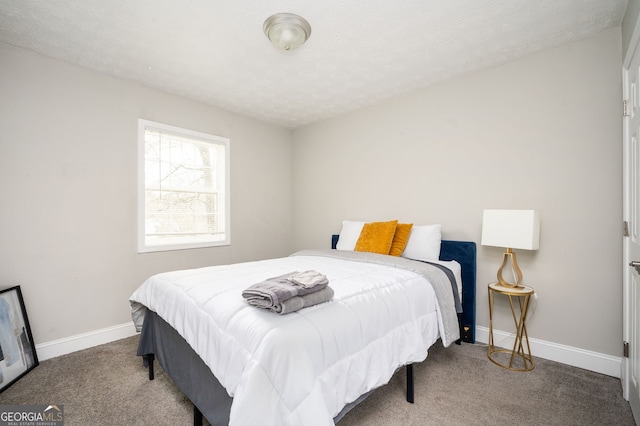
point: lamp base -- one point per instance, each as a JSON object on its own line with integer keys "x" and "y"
{"x": 510, "y": 256}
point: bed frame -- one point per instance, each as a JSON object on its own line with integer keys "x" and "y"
{"x": 192, "y": 376}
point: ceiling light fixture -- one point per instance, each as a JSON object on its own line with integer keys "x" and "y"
{"x": 286, "y": 30}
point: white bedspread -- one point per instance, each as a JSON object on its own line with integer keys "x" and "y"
{"x": 301, "y": 368}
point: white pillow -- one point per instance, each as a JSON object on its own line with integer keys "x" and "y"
{"x": 424, "y": 243}
{"x": 349, "y": 234}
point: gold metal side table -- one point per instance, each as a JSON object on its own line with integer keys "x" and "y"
{"x": 521, "y": 351}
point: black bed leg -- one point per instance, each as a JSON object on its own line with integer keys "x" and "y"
{"x": 150, "y": 358}
{"x": 410, "y": 383}
{"x": 197, "y": 416}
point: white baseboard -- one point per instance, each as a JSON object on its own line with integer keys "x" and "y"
{"x": 581, "y": 358}
{"x": 83, "y": 341}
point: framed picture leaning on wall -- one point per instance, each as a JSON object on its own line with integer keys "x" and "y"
{"x": 17, "y": 350}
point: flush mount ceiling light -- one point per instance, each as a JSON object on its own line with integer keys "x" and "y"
{"x": 286, "y": 30}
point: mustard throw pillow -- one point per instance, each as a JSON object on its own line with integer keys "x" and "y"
{"x": 376, "y": 237}
{"x": 400, "y": 238}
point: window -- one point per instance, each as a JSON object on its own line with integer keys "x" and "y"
{"x": 183, "y": 195}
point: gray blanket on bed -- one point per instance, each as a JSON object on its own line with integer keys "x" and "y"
{"x": 274, "y": 291}
{"x": 299, "y": 302}
{"x": 442, "y": 285}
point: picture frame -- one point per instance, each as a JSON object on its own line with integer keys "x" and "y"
{"x": 17, "y": 349}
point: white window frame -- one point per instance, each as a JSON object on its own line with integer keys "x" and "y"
{"x": 145, "y": 246}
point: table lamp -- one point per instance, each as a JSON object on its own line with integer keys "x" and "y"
{"x": 512, "y": 229}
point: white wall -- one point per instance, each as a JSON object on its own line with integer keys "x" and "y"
{"x": 68, "y": 190}
{"x": 543, "y": 132}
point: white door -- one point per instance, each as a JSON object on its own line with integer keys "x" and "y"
{"x": 631, "y": 284}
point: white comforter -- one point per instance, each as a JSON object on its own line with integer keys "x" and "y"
{"x": 301, "y": 368}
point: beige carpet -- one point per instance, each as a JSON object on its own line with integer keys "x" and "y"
{"x": 107, "y": 385}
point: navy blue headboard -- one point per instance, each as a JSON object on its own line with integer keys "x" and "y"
{"x": 464, "y": 252}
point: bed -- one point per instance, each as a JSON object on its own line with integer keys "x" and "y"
{"x": 242, "y": 365}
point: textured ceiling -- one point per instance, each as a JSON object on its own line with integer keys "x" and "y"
{"x": 360, "y": 52}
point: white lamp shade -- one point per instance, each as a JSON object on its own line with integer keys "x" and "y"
{"x": 516, "y": 229}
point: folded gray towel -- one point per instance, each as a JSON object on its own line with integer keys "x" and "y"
{"x": 274, "y": 291}
{"x": 298, "y": 302}
{"x": 308, "y": 279}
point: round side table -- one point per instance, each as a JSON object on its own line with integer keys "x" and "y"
{"x": 521, "y": 350}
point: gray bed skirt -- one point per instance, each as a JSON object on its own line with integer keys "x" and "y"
{"x": 190, "y": 373}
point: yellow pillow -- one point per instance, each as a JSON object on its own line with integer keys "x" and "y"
{"x": 376, "y": 237}
{"x": 400, "y": 238}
